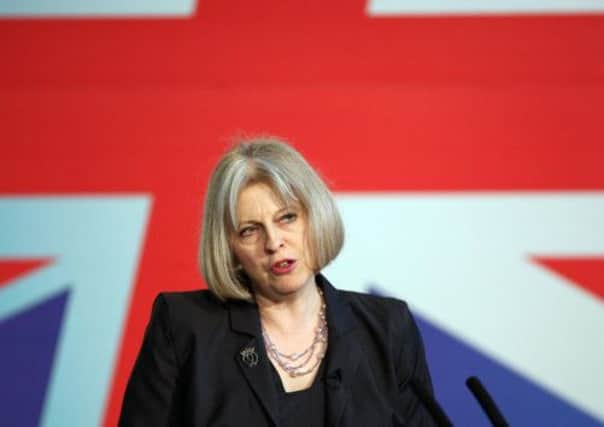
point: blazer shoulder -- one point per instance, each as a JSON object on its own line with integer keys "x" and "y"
{"x": 377, "y": 304}
{"x": 386, "y": 316}
{"x": 201, "y": 299}
{"x": 190, "y": 313}
{"x": 391, "y": 319}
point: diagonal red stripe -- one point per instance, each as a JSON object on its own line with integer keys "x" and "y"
{"x": 584, "y": 272}
{"x": 10, "y": 269}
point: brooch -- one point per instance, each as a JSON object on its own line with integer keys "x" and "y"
{"x": 249, "y": 356}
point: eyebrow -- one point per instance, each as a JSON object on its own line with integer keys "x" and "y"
{"x": 278, "y": 212}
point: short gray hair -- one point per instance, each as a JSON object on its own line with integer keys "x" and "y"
{"x": 272, "y": 161}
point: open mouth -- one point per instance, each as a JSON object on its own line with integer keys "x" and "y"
{"x": 283, "y": 266}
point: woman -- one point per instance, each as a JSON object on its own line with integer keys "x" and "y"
{"x": 272, "y": 342}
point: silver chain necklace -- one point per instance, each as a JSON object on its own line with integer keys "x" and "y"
{"x": 296, "y": 364}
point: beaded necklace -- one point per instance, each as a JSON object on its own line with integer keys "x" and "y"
{"x": 296, "y": 364}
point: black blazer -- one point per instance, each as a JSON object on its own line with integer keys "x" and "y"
{"x": 191, "y": 372}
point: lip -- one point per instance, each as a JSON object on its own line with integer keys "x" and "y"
{"x": 279, "y": 270}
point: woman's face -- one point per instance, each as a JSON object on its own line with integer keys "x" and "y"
{"x": 270, "y": 243}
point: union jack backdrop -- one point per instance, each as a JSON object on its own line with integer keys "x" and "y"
{"x": 463, "y": 140}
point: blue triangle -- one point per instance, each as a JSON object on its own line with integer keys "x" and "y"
{"x": 522, "y": 402}
{"x": 28, "y": 341}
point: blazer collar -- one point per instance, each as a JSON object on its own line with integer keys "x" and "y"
{"x": 343, "y": 352}
{"x": 244, "y": 317}
{"x": 341, "y": 321}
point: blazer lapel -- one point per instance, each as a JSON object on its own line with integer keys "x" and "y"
{"x": 251, "y": 356}
{"x": 344, "y": 353}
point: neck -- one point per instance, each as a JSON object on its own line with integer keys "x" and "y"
{"x": 292, "y": 313}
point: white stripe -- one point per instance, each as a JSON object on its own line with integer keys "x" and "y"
{"x": 463, "y": 261}
{"x": 430, "y": 7}
{"x": 85, "y": 8}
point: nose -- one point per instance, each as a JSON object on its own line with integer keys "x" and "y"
{"x": 273, "y": 240}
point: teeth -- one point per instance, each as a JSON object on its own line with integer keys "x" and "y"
{"x": 283, "y": 264}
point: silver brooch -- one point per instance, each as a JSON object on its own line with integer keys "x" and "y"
{"x": 249, "y": 356}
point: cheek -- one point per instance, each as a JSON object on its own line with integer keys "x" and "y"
{"x": 238, "y": 254}
{"x": 245, "y": 257}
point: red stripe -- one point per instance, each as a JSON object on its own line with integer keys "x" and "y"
{"x": 11, "y": 269}
{"x": 586, "y": 273}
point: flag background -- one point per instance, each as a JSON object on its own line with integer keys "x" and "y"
{"x": 112, "y": 121}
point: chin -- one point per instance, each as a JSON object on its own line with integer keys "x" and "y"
{"x": 286, "y": 287}
{"x": 296, "y": 283}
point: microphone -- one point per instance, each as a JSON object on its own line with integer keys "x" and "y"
{"x": 435, "y": 410}
{"x": 486, "y": 402}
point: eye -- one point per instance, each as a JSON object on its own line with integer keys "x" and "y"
{"x": 247, "y": 231}
{"x": 288, "y": 217}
